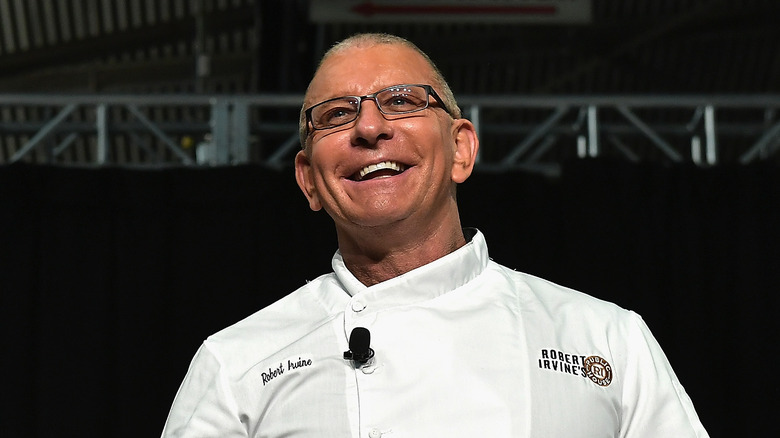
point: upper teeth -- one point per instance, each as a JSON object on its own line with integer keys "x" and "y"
{"x": 380, "y": 166}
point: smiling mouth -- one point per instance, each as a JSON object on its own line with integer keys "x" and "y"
{"x": 379, "y": 170}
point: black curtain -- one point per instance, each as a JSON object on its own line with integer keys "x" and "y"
{"x": 111, "y": 277}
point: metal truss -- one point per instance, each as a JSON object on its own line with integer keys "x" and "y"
{"x": 528, "y": 133}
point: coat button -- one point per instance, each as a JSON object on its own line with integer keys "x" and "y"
{"x": 358, "y": 306}
{"x": 374, "y": 433}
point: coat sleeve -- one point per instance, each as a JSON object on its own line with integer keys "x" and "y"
{"x": 654, "y": 403}
{"x": 204, "y": 405}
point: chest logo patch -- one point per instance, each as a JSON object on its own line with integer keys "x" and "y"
{"x": 594, "y": 368}
{"x": 598, "y": 370}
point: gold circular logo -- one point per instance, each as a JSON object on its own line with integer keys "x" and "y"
{"x": 598, "y": 370}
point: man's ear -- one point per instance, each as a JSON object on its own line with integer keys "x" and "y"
{"x": 466, "y": 148}
{"x": 303, "y": 175}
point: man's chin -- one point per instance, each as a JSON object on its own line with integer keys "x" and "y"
{"x": 377, "y": 220}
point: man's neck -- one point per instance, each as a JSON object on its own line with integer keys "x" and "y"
{"x": 374, "y": 256}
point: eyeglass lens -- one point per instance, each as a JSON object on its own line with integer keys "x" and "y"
{"x": 394, "y": 100}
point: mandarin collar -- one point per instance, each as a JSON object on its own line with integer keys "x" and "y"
{"x": 421, "y": 284}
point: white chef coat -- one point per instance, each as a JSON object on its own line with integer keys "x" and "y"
{"x": 464, "y": 347}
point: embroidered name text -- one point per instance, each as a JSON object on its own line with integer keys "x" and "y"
{"x": 298, "y": 363}
{"x": 272, "y": 373}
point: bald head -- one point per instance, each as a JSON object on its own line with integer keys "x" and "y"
{"x": 367, "y": 40}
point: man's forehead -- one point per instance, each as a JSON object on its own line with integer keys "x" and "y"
{"x": 365, "y": 69}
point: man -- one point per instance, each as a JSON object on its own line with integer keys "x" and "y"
{"x": 454, "y": 344}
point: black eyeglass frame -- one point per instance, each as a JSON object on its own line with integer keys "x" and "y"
{"x": 429, "y": 90}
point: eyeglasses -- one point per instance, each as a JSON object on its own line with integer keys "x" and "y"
{"x": 398, "y": 99}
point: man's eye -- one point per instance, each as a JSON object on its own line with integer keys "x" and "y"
{"x": 399, "y": 101}
{"x": 402, "y": 103}
{"x": 337, "y": 115}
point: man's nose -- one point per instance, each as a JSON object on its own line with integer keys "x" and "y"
{"x": 370, "y": 125}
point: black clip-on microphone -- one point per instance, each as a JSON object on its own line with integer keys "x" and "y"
{"x": 359, "y": 351}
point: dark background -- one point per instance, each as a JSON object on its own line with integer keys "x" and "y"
{"x": 112, "y": 277}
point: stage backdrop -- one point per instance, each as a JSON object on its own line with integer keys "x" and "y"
{"x": 111, "y": 278}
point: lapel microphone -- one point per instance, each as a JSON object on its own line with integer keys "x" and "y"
{"x": 359, "y": 351}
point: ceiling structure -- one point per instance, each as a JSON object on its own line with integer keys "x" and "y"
{"x": 152, "y": 81}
